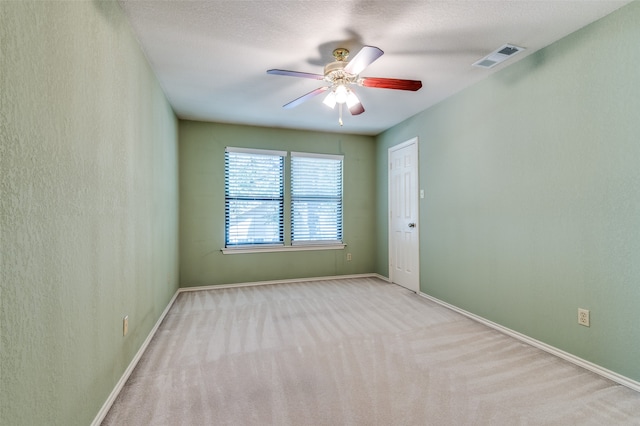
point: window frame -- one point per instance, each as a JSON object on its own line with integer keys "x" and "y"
{"x": 339, "y": 199}
{"x": 287, "y": 218}
{"x": 255, "y": 197}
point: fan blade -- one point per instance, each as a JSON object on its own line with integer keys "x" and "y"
{"x": 363, "y": 59}
{"x": 303, "y": 98}
{"x": 296, "y": 74}
{"x": 390, "y": 83}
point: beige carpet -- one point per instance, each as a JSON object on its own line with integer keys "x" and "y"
{"x": 351, "y": 352}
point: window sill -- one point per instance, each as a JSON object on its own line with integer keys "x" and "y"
{"x": 305, "y": 247}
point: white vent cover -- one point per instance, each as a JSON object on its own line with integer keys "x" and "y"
{"x": 501, "y": 54}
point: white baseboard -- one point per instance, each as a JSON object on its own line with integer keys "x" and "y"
{"x": 383, "y": 278}
{"x": 287, "y": 281}
{"x": 611, "y": 375}
{"x": 132, "y": 365}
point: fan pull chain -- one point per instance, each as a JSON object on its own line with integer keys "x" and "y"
{"x": 340, "y": 117}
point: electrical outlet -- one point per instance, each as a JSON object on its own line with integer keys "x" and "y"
{"x": 583, "y": 317}
{"x": 348, "y": 257}
{"x": 125, "y": 325}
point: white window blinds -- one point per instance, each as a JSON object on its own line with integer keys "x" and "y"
{"x": 316, "y": 198}
{"x": 254, "y": 197}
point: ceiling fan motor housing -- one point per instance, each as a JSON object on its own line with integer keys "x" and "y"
{"x": 334, "y": 73}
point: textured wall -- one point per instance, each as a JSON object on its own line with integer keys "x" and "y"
{"x": 202, "y": 206}
{"x": 89, "y": 214}
{"x": 532, "y": 184}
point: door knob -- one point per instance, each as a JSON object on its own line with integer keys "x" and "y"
{"x": 412, "y": 225}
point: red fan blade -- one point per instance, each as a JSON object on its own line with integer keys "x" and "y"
{"x": 303, "y": 98}
{"x": 363, "y": 59}
{"x": 296, "y": 74}
{"x": 391, "y": 83}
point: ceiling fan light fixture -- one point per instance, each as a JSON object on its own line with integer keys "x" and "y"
{"x": 352, "y": 99}
{"x": 342, "y": 93}
{"x": 330, "y": 100}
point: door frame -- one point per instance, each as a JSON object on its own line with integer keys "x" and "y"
{"x": 409, "y": 142}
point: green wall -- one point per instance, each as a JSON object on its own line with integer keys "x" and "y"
{"x": 532, "y": 194}
{"x": 89, "y": 207}
{"x": 202, "y": 206}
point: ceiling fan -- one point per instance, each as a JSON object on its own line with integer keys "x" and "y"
{"x": 341, "y": 75}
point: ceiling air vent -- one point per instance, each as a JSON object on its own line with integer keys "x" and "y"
{"x": 501, "y": 54}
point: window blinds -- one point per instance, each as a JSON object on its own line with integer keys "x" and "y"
{"x": 316, "y": 198}
{"x": 254, "y": 197}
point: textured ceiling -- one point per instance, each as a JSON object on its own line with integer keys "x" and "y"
{"x": 211, "y": 57}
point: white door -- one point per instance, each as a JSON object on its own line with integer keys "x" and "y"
{"x": 404, "y": 257}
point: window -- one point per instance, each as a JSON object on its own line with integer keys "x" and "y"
{"x": 254, "y": 197}
{"x": 316, "y": 198}
{"x": 255, "y": 201}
